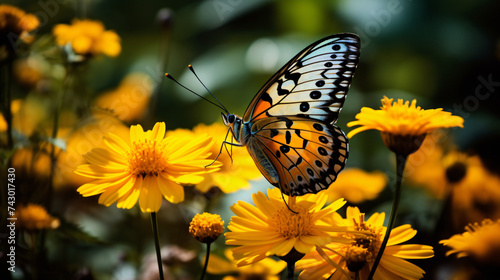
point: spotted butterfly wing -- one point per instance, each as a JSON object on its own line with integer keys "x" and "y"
{"x": 289, "y": 128}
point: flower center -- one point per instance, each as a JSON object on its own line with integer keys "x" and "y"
{"x": 290, "y": 224}
{"x": 456, "y": 172}
{"x": 147, "y": 157}
{"x": 364, "y": 248}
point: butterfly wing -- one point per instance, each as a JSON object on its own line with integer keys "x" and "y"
{"x": 293, "y": 139}
{"x": 298, "y": 155}
{"x": 313, "y": 84}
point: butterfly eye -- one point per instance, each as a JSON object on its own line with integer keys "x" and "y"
{"x": 231, "y": 118}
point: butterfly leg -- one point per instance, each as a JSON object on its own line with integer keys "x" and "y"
{"x": 224, "y": 143}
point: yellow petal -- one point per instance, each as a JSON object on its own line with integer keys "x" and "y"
{"x": 150, "y": 198}
{"x": 130, "y": 199}
{"x": 172, "y": 191}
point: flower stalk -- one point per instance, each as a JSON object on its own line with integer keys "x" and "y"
{"x": 154, "y": 224}
{"x": 207, "y": 256}
{"x": 400, "y": 167}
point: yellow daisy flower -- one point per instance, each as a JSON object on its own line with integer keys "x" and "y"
{"x": 270, "y": 228}
{"x": 146, "y": 168}
{"x": 234, "y": 174}
{"x": 35, "y": 217}
{"x": 15, "y": 24}
{"x": 357, "y": 185}
{"x": 479, "y": 241}
{"x": 266, "y": 269}
{"x": 403, "y": 125}
{"x": 476, "y": 195}
{"x": 88, "y": 37}
{"x": 359, "y": 255}
{"x": 15, "y": 20}
{"x": 474, "y": 191}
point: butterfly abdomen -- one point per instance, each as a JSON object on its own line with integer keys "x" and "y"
{"x": 263, "y": 162}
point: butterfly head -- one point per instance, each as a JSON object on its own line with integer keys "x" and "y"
{"x": 234, "y": 123}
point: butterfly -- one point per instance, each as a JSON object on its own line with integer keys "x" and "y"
{"x": 289, "y": 127}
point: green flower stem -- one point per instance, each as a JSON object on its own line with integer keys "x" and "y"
{"x": 400, "y": 167}
{"x": 206, "y": 262}
{"x": 154, "y": 223}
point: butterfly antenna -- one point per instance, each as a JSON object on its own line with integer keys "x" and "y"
{"x": 221, "y": 106}
{"x": 190, "y": 90}
{"x": 284, "y": 200}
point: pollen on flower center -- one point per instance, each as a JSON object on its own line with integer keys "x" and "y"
{"x": 290, "y": 224}
{"x": 147, "y": 157}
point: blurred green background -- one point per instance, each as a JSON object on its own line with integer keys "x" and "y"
{"x": 443, "y": 53}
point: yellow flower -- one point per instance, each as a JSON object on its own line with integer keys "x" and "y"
{"x": 147, "y": 168}
{"x": 15, "y": 20}
{"x": 28, "y": 72}
{"x": 271, "y": 228}
{"x": 426, "y": 168}
{"x": 15, "y": 24}
{"x": 359, "y": 255}
{"x": 403, "y": 126}
{"x": 403, "y": 119}
{"x": 206, "y": 227}
{"x": 32, "y": 162}
{"x": 130, "y": 100}
{"x": 34, "y": 217}
{"x": 477, "y": 195}
{"x": 357, "y": 185}
{"x": 89, "y": 133}
{"x": 88, "y": 37}
{"x": 234, "y": 174}
{"x": 479, "y": 241}
{"x": 473, "y": 189}
{"x": 266, "y": 269}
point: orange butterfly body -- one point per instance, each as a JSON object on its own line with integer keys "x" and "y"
{"x": 288, "y": 128}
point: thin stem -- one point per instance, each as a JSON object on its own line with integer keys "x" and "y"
{"x": 290, "y": 267}
{"x": 400, "y": 167}
{"x": 206, "y": 262}
{"x": 55, "y": 128}
{"x": 154, "y": 223}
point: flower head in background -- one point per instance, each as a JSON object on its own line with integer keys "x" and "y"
{"x": 357, "y": 185}
{"x": 479, "y": 241}
{"x": 206, "y": 227}
{"x": 266, "y": 269}
{"x": 15, "y": 25}
{"x": 130, "y": 99}
{"x": 34, "y": 217}
{"x": 270, "y": 228}
{"x": 146, "y": 168}
{"x": 474, "y": 191}
{"x": 403, "y": 125}
{"x": 87, "y": 134}
{"x": 88, "y": 37}
{"x": 359, "y": 255}
{"x": 236, "y": 170}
